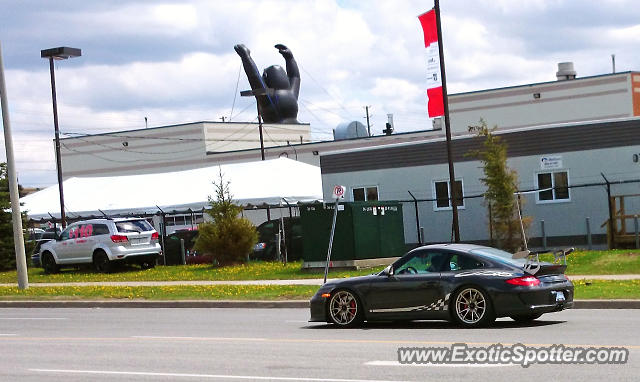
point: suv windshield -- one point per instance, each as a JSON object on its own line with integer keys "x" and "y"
{"x": 133, "y": 226}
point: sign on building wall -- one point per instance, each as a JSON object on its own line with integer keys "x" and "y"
{"x": 551, "y": 162}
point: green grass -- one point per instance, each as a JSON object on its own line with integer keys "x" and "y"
{"x": 606, "y": 289}
{"x": 614, "y": 262}
{"x": 252, "y": 271}
{"x": 180, "y": 292}
{"x": 579, "y": 263}
{"x": 584, "y": 289}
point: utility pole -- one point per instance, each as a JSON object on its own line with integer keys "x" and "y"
{"x": 248, "y": 93}
{"x": 16, "y": 216}
{"x": 452, "y": 175}
{"x": 260, "y": 127}
{"x": 366, "y": 108}
{"x": 613, "y": 63}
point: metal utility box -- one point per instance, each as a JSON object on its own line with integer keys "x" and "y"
{"x": 364, "y": 230}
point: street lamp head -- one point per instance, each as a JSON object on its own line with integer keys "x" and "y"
{"x": 61, "y": 53}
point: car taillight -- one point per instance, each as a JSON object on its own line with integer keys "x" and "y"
{"x": 155, "y": 236}
{"x": 524, "y": 281}
{"x": 119, "y": 238}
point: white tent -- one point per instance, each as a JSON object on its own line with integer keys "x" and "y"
{"x": 270, "y": 182}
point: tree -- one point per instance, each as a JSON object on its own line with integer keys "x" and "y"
{"x": 229, "y": 238}
{"x": 7, "y": 247}
{"x": 501, "y": 182}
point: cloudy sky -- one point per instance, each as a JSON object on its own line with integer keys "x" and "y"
{"x": 173, "y": 61}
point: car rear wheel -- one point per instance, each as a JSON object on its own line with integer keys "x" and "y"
{"x": 472, "y": 308}
{"x": 148, "y": 264}
{"x": 49, "y": 264}
{"x": 526, "y": 317}
{"x": 344, "y": 309}
{"x": 101, "y": 262}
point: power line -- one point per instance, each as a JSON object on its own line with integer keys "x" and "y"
{"x": 325, "y": 90}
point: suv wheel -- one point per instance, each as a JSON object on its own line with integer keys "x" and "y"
{"x": 148, "y": 264}
{"x": 49, "y": 263}
{"x": 101, "y": 262}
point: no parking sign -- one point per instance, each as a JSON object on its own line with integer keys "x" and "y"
{"x": 338, "y": 192}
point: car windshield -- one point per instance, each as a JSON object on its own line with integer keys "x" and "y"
{"x": 499, "y": 255}
{"x": 133, "y": 226}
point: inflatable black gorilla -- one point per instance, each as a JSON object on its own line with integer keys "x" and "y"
{"x": 276, "y": 91}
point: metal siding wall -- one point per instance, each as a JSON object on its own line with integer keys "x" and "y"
{"x": 561, "y": 219}
{"x": 521, "y": 143}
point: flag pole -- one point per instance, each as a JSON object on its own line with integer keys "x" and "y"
{"x": 447, "y": 129}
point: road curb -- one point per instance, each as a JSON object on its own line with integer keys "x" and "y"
{"x": 252, "y": 304}
{"x": 606, "y": 304}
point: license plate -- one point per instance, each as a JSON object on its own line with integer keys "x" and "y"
{"x": 560, "y": 297}
{"x": 137, "y": 241}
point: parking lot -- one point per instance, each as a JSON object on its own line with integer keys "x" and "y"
{"x": 280, "y": 345}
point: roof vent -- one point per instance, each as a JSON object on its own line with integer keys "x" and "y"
{"x": 566, "y": 71}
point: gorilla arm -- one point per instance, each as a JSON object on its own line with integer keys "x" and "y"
{"x": 292, "y": 68}
{"x": 250, "y": 68}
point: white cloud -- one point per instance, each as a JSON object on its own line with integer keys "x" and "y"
{"x": 173, "y": 61}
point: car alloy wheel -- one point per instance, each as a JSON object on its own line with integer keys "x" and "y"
{"x": 344, "y": 309}
{"x": 49, "y": 264}
{"x": 472, "y": 308}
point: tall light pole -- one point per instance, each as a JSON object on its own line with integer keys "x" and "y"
{"x": 61, "y": 53}
{"x": 16, "y": 215}
{"x": 445, "y": 98}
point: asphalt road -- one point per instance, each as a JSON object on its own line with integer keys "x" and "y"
{"x": 279, "y": 345}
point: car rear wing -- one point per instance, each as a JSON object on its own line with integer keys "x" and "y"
{"x": 532, "y": 259}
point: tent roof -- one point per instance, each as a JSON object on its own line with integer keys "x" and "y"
{"x": 270, "y": 182}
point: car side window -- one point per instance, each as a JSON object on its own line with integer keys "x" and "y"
{"x": 462, "y": 263}
{"x": 100, "y": 229}
{"x": 65, "y": 234}
{"x": 422, "y": 262}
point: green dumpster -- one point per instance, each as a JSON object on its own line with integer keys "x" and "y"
{"x": 364, "y": 230}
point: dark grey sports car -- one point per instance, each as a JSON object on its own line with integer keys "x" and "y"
{"x": 469, "y": 284}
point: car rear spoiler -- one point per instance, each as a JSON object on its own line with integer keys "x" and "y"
{"x": 532, "y": 263}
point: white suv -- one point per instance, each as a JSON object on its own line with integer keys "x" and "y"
{"x": 102, "y": 242}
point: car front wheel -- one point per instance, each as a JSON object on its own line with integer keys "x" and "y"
{"x": 49, "y": 264}
{"x": 344, "y": 309}
{"x": 472, "y": 308}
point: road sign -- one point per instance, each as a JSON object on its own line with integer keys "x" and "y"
{"x": 338, "y": 192}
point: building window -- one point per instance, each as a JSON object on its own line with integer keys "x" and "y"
{"x": 555, "y": 186}
{"x": 367, "y": 193}
{"x": 442, "y": 194}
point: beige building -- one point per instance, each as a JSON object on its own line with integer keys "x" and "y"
{"x": 568, "y": 99}
{"x": 169, "y": 148}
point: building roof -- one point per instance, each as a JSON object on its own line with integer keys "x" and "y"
{"x": 270, "y": 182}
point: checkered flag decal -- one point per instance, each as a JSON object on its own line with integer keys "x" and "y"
{"x": 441, "y": 304}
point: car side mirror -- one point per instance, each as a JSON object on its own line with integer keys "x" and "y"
{"x": 388, "y": 271}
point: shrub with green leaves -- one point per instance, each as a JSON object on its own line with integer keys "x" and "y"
{"x": 7, "y": 248}
{"x": 230, "y": 237}
{"x": 502, "y": 184}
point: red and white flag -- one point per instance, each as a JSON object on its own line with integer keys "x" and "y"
{"x": 434, "y": 80}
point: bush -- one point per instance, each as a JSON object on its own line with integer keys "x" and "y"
{"x": 7, "y": 248}
{"x": 502, "y": 184}
{"x": 230, "y": 238}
